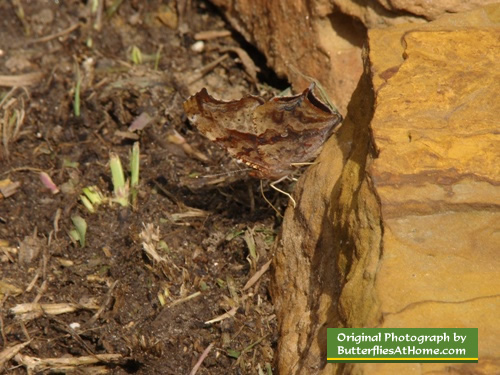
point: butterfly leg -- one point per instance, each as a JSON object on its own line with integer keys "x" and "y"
{"x": 273, "y": 185}
{"x": 302, "y": 164}
{"x": 267, "y": 200}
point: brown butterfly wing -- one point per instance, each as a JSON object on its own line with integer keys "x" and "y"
{"x": 268, "y": 136}
{"x": 292, "y": 130}
{"x": 228, "y": 123}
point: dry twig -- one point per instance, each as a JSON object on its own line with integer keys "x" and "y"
{"x": 64, "y": 364}
{"x": 27, "y": 79}
{"x": 212, "y": 34}
{"x": 29, "y": 311}
{"x": 207, "y": 68}
{"x": 246, "y": 60}
{"x": 8, "y": 353}
{"x": 257, "y": 275}
{"x": 55, "y": 35}
{"x": 201, "y": 359}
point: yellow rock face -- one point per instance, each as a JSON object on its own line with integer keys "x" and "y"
{"x": 436, "y": 129}
{"x": 397, "y": 224}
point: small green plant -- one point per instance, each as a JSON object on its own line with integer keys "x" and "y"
{"x": 157, "y": 58}
{"x": 76, "y": 99}
{"x": 253, "y": 257}
{"x": 91, "y": 197}
{"x": 136, "y": 55}
{"x": 134, "y": 172}
{"x": 95, "y": 5}
{"x": 125, "y": 190}
{"x": 250, "y": 241}
{"x": 79, "y": 232}
{"x": 121, "y": 189}
{"x": 70, "y": 164}
{"x": 220, "y": 283}
{"x": 113, "y": 8}
{"x": 233, "y": 353}
{"x": 233, "y": 234}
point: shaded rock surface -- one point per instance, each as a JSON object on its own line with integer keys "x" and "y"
{"x": 297, "y": 37}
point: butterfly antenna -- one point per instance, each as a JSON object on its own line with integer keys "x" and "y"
{"x": 267, "y": 200}
{"x": 324, "y": 96}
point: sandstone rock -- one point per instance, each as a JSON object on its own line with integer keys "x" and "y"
{"x": 437, "y": 173}
{"x": 323, "y": 38}
{"x": 375, "y": 14}
{"x": 433, "y": 9}
{"x": 295, "y": 39}
{"x": 381, "y": 13}
{"x": 334, "y": 229}
{"x": 401, "y": 230}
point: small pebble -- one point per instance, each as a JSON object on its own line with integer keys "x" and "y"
{"x": 199, "y": 46}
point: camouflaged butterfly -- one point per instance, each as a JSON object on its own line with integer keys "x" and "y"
{"x": 269, "y": 137}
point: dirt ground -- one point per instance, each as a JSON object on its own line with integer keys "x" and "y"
{"x": 162, "y": 280}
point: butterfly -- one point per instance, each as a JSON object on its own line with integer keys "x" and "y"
{"x": 268, "y": 136}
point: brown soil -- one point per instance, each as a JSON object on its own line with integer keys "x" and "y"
{"x": 200, "y": 219}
